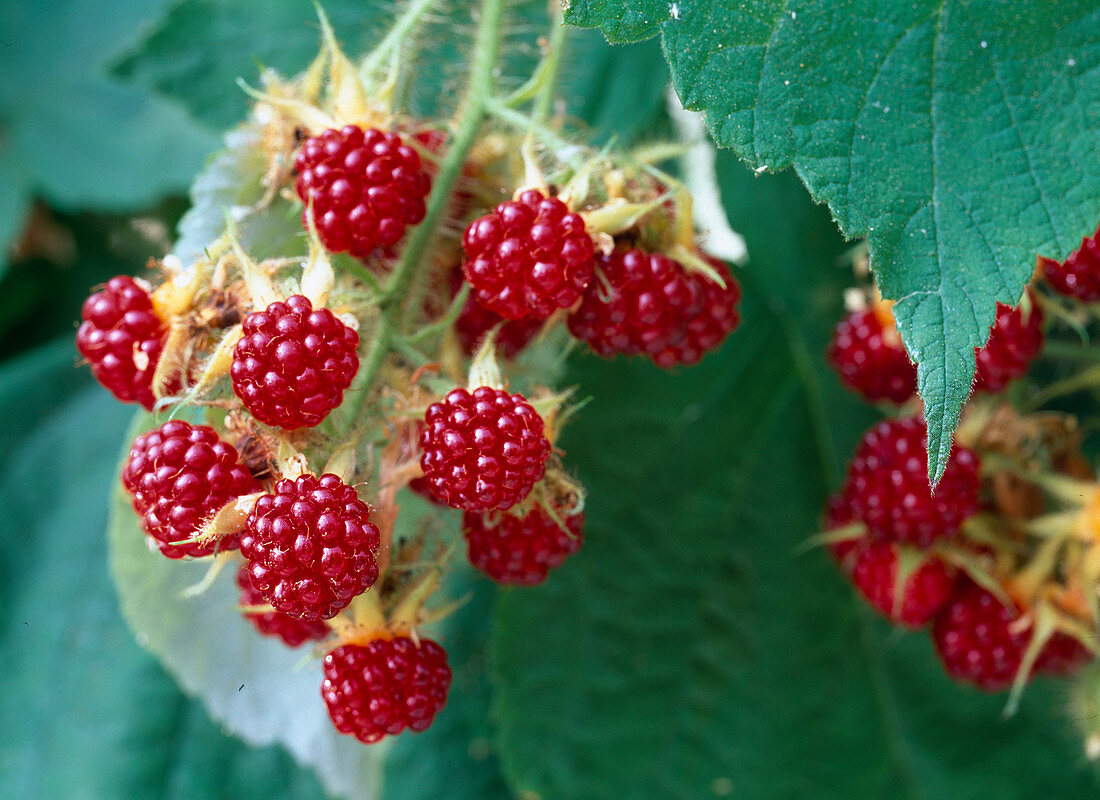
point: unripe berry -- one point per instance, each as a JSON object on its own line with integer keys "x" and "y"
{"x": 311, "y": 546}
{"x": 528, "y": 257}
{"x": 180, "y": 475}
{"x": 365, "y": 188}
{"x": 520, "y": 550}
{"x": 482, "y": 450}
{"x": 293, "y": 363}
{"x": 122, "y": 337}
{"x": 648, "y": 304}
{"x": 385, "y": 686}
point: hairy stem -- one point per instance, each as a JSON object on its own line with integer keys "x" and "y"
{"x": 479, "y": 91}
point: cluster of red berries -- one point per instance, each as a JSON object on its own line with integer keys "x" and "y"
{"x": 897, "y": 551}
{"x": 307, "y": 545}
{"x": 957, "y": 558}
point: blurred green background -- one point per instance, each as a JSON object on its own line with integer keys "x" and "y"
{"x": 687, "y": 652}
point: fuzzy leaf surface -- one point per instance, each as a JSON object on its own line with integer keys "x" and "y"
{"x": 688, "y": 650}
{"x": 961, "y": 138}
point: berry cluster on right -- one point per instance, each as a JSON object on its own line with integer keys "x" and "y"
{"x": 1001, "y": 560}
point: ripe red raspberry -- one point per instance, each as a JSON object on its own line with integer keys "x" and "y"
{"x": 179, "y": 475}
{"x": 293, "y": 363}
{"x": 482, "y": 450}
{"x": 122, "y": 337}
{"x": 1015, "y": 339}
{"x": 926, "y": 590}
{"x": 385, "y": 686}
{"x": 311, "y": 546}
{"x": 975, "y": 640}
{"x": 528, "y": 258}
{"x": 888, "y": 485}
{"x": 648, "y": 304}
{"x": 292, "y": 631}
{"x": 365, "y": 187}
{"x": 1079, "y": 275}
{"x": 870, "y": 358}
{"x": 512, "y": 335}
{"x": 1061, "y": 656}
{"x": 520, "y": 550}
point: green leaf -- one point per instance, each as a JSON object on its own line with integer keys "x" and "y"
{"x": 621, "y": 20}
{"x": 87, "y": 714}
{"x": 176, "y": 57}
{"x": 960, "y": 137}
{"x": 68, "y": 131}
{"x": 687, "y": 650}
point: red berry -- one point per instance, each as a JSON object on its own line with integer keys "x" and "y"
{"x": 385, "y": 686}
{"x": 925, "y": 591}
{"x": 528, "y": 258}
{"x": 1061, "y": 656}
{"x": 1079, "y": 275}
{"x": 365, "y": 186}
{"x": 520, "y": 550}
{"x": 474, "y": 322}
{"x": 870, "y": 358}
{"x": 975, "y": 640}
{"x": 179, "y": 475}
{"x": 482, "y": 450}
{"x": 648, "y": 304}
{"x": 292, "y": 631}
{"x": 889, "y": 491}
{"x": 1014, "y": 340}
{"x": 293, "y": 363}
{"x": 311, "y": 546}
{"x": 122, "y": 337}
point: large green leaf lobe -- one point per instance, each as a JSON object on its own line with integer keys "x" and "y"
{"x": 961, "y": 138}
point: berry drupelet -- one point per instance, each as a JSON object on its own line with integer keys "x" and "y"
{"x": 648, "y": 304}
{"x": 179, "y": 475}
{"x": 528, "y": 257}
{"x": 365, "y": 187}
{"x": 385, "y": 686}
{"x": 122, "y": 337}
{"x": 310, "y": 546}
{"x": 293, "y": 363}
{"x": 482, "y": 450}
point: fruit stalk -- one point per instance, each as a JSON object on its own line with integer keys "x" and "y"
{"x": 397, "y": 289}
